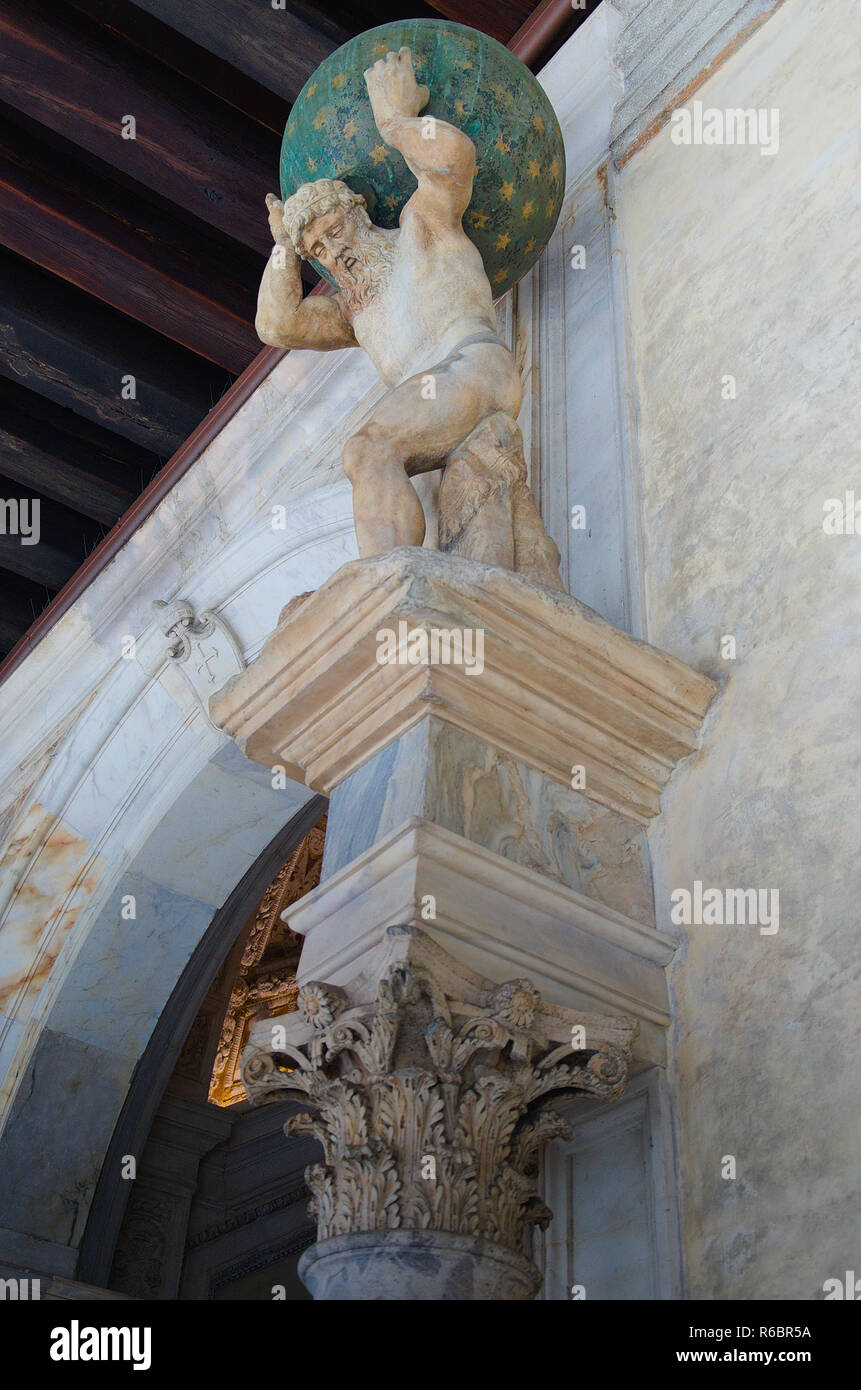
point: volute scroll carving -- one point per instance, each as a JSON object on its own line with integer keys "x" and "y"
{"x": 432, "y": 1099}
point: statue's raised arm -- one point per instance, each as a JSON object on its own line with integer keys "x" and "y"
{"x": 441, "y": 156}
{"x": 284, "y": 317}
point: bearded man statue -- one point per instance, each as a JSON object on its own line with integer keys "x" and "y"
{"x": 419, "y": 302}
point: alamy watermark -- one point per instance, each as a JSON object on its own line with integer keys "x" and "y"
{"x": 21, "y": 516}
{"x": 714, "y": 125}
{"x": 20, "y": 1290}
{"x": 77, "y": 1343}
{"x": 717, "y": 907}
{"x": 841, "y": 516}
{"x": 848, "y": 1288}
{"x": 432, "y": 646}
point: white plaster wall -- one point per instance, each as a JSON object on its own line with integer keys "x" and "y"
{"x": 750, "y": 265}
{"x": 611, "y": 1188}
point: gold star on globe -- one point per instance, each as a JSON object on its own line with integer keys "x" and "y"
{"x": 538, "y": 122}
{"x": 502, "y": 146}
{"x": 460, "y": 109}
{"x": 350, "y": 129}
{"x": 534, "y": 169}
{"x": 319, "y": 121}
{"x": 500, "y": 275}
{"x": 379, "y": 153}
{"x": 507, "y": 191}
{"x": 478, "y": 219}
{"x": 526, "y": 210}
{"x": 530, "y": 245}
{"x": 554, "y": 168}
{"x": 312, "y": 164}
{"x": 550, "y": 207}
{"x": 312, "y": 89}
{"x": 339, "y": 79}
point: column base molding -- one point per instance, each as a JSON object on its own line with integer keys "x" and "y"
{"x": 406, "y": 1265}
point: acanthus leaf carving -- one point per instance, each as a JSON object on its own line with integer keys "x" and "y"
{"x": 432, "y": 1099}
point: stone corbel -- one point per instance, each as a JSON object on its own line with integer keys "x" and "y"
{"x": 559, "y": 685}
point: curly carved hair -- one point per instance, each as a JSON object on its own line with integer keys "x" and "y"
{"x": 313, "y": 200}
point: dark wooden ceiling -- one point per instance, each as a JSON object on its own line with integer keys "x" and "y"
{"x": 140, "y": 258}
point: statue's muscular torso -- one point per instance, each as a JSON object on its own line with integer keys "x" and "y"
{"x": 417, "y": 300}
{"x": 435, "y": 295}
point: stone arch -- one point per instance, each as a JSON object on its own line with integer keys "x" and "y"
{"x": 158, "y": 1061}
{"x": 86, "y": 1099}
{"x": 116, "y": 787}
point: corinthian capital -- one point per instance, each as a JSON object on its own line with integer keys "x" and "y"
{"x": 432, "y": 1098}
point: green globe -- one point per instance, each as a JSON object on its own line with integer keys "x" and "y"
{"x": 474, "y": 83}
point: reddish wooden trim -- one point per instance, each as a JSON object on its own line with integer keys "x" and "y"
{"x": 501, "y": 19}
{"x": 541, "y": 28}
{"x": 528, "y": 42}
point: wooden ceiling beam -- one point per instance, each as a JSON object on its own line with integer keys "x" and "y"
{"x": 51, "y": 542}
{"x": 52, "y": 452}
{"x": 501, "y": 19}
{"x": 21, "y": 601}
{"x": 61, "y": 524}
{"x": 279, "y": 48}
{"x": 63, "y": 344}
{"x": 107, "y": 248}
{"x": 59, "y": 548}
{"x": 84, "y": 444}
{"x": 42, "y": 563}
{"x": 134, "y": 24}
{"x": 48, "y": 472}
{"x": 71, "y": 76}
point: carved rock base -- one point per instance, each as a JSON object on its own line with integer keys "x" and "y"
{"x": 419, "y": 1265}
{"x": 486, "y": 510}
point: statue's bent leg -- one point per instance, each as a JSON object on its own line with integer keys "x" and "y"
{"x": 386, "y": 509}
{"x": 416, "y": 427}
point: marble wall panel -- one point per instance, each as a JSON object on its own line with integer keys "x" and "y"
{"x": 123, "y": 974}
{"x": 452, "y": 778}
{"x": 192, "y": 851}
{"x": 50, "y": 1170}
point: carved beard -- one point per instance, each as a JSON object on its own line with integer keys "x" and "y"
{"x": 375, "y": 253}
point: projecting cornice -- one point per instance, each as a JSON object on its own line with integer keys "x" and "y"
{"x": 559, "y": 687}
